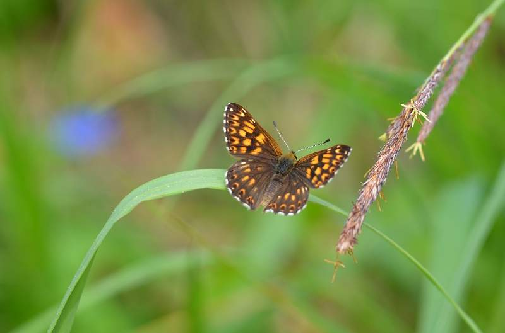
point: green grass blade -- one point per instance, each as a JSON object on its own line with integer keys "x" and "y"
{"x": 466, "y": 318}
{"x": 453, "y": 211}
{"x": 65, "y": 314}
{"x": 129, "y": 278}
{"x": 491, "y": 206}
{"x": 178, "y": 183}
{"x": 326, "y": 204}
{"x": 164, "y": 186}
{"x": 172, "y": 75}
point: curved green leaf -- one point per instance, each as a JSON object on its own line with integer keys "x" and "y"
{"x": 130, "y": 277}
{"x": 164, "y": 186}
{"x": 178, "y": 183}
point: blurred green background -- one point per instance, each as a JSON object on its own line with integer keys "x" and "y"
{"x": 98, "y": 97}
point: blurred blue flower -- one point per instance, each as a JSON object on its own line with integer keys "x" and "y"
{"x": 83, "y": 130}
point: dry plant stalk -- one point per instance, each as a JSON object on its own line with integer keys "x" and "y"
{"x": 451, "y": 83}
{"x": 397, "y": 131}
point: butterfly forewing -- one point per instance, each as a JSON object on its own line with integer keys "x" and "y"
{"x": 291, "y": 198}
{"x": 245, "y": 137}
{"x": 320, "y": 167}
{"x": 246, "y": 181}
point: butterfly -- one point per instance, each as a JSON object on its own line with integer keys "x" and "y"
{"x": 264, "y": 175}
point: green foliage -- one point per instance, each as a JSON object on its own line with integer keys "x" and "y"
{"x": 199, "y": 262}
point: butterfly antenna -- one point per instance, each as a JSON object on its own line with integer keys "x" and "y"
{"x": 280, "y": 134}
{"x": 315, "y": 145}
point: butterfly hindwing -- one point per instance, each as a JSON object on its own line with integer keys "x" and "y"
{"x": 291, "y": 198}
{"x": 246, "y": 181}
{"x": 245, "y": 137}
{"x": 320, "y": 167}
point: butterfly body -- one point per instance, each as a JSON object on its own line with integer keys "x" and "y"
{"x": 282, "y": 169}
{"x": 265, "y": 176}
{"x": 285, "y": 164}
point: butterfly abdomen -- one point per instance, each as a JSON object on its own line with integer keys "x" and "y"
{"x": 271, "y": 190}
{"x": 282, "y": 169}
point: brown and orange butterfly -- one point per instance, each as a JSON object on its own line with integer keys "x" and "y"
{"x": 265, "y": 176}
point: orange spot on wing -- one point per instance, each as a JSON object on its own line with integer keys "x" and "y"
{"x": 246, "y": 142}
{"x": 248, "y": 124}
{"x": 261, "y": 138}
